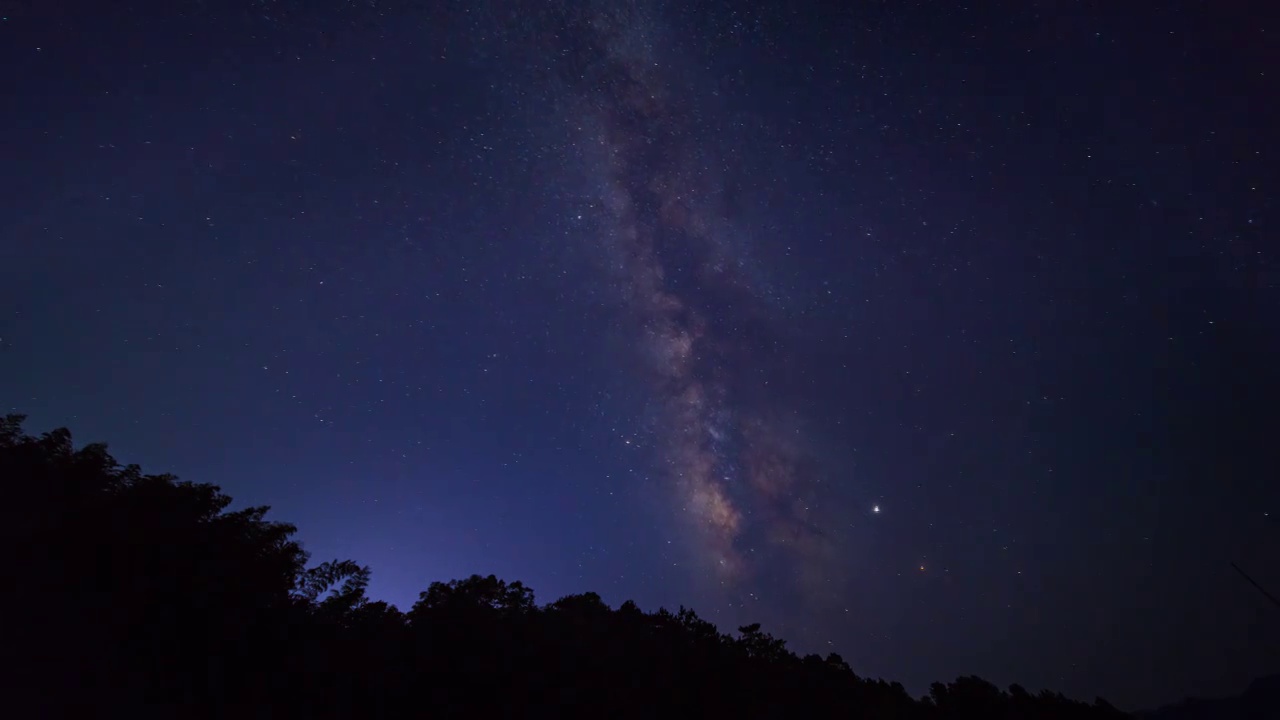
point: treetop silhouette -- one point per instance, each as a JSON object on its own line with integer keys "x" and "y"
{"x": 146, "y": 595}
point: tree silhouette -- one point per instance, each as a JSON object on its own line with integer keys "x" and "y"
{"x": 762, "y": 645}
{"x": 142, "y": 595}
{"x": 476, "y": 594}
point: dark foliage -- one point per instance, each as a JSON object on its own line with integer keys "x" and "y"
{"x": 137, "y": 594}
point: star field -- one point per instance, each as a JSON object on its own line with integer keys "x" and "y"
{"x": 942, "y": 338}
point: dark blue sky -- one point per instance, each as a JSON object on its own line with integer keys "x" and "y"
{"x": 943, "y": 339}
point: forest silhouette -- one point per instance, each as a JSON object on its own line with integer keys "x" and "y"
{"x": 141, "y": 594}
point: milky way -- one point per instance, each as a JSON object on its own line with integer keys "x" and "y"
{"x": 733, "y": 454}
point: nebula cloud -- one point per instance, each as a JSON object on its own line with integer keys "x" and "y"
{"x": 735, "y": 464}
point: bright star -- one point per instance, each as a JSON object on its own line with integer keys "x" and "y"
{"x": 875, "y": 508}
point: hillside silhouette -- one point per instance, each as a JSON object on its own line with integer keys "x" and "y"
{"x": 1259, "y": 701}
{"x": 140, "y": 594}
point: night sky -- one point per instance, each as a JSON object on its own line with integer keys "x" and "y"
{"x": 943, "y": 338}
